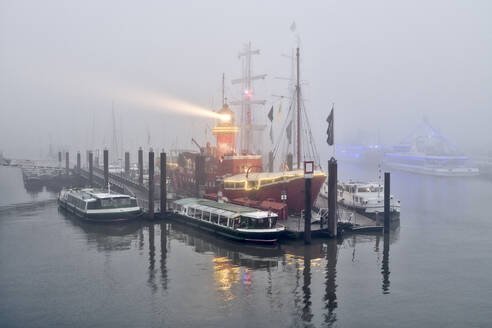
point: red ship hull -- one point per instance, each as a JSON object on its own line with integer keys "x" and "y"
{"x": 295, "y": 190}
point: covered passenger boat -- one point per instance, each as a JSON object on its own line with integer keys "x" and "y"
{"x": 229, "y": 220}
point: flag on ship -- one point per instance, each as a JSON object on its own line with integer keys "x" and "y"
{"x": 289, "y": 132}
{"x": 330, "y": 138}
{"x": 270, "y": 117}
{"x": 270, "y": 114}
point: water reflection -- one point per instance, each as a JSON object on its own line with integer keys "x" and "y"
{"x": 247, "y": 255}
{"x": 293, "y": 276}
{"x": 105, "y": 237}
{"x": 330, "y": 297}
{"x": 164, "y": 255}
{"x": 226, "y": 275}
{"x": 306, "y": 273}
{"x": 151, "y": 280}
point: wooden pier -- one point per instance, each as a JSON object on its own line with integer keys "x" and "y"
{"x": 348, "y": 221}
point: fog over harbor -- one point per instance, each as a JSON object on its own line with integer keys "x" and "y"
{"x": 384, "y": 64}
{"x": 245, "y": 163}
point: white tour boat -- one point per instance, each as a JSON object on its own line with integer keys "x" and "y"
{"x": 366, "y": 198}
{"x": 229, "y": 220}
{"x": 99, "y": 205}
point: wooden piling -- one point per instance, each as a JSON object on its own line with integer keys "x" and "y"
{"x": 270, "y": 161}
{"x": 140, "y": 165}
{"x": 163, "y": 183}
{"x": 307, "y": 210}
{"x": 151, "y": 184}
{"x": 198, "y": 168}
{"x": 106, "y": 168}
{"x": 385, "y": 264}
{"x": 290, "y": 160}
{"x": 91, "y": 169}
{"x": 59, "y": 158}
{"x": 127, "y": 163}
{"x": 67, "y": 163}
{"x": 387, "y": 201}
{"x": 332, "y": 197}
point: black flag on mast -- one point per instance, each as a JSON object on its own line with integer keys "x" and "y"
{"x": 270, "y": 114}
{"x": 331, "y": 137}
{"x": 289, "y": 132}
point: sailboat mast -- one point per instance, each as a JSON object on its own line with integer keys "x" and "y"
{"x": 298, "y": 90}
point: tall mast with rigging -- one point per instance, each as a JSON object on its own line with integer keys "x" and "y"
{"x": 246, "y": 101}
{"x": 298, "y": 96}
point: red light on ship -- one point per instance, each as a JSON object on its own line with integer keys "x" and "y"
{"x": 225, "y": 132}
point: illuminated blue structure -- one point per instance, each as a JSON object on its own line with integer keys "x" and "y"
{"x": 426, "y": 151}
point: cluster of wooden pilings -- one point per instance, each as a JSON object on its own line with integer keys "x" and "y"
{"x": 150, "y": 188}
{"x": 332, "y": 221}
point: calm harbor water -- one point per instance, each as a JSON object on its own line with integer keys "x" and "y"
{"x": 435, "y": 269}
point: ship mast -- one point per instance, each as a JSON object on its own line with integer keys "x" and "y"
{"x": 246, "y": 95}
{"x": 115, "y": 140}
{"x": 223, "y": 89}
{"x": 298, "y": 93}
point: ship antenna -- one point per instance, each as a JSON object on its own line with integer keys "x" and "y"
{"x": 223, "y": 93}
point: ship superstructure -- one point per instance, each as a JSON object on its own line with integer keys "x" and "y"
{"x": 232, "y": 169}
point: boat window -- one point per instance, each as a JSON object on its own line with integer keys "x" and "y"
{"x": 223, "y": 221}
{"x": 105, "y": 203}
{"x": 92, "y": 205}
{"x": 228, "y": 185}
{"x": 263, "y": 223}
{"x": 364, "y": 189}
{"x": 198, "y": 214}
{"x": 239, "y": 185}
{"x": 122, "y": 202}
{"x": 214, "y": 218}
{"x": 243, "y": 222}
{"x": 116, "y": 202}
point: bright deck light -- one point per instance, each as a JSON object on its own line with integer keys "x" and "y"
{"x": 225, "y": 117}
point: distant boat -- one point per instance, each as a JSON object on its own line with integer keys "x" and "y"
{"x": 354, "y": 153}
{"x": 427, "y": 152}
{"x": 366, "y": 198}
{"x": 99, "y": 205}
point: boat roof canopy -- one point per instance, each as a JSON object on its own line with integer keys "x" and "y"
{"x": 91, "y": 194}
{"x": 224, "y": 209}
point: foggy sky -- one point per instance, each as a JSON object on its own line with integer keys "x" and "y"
{"x": 385, "y": 65}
